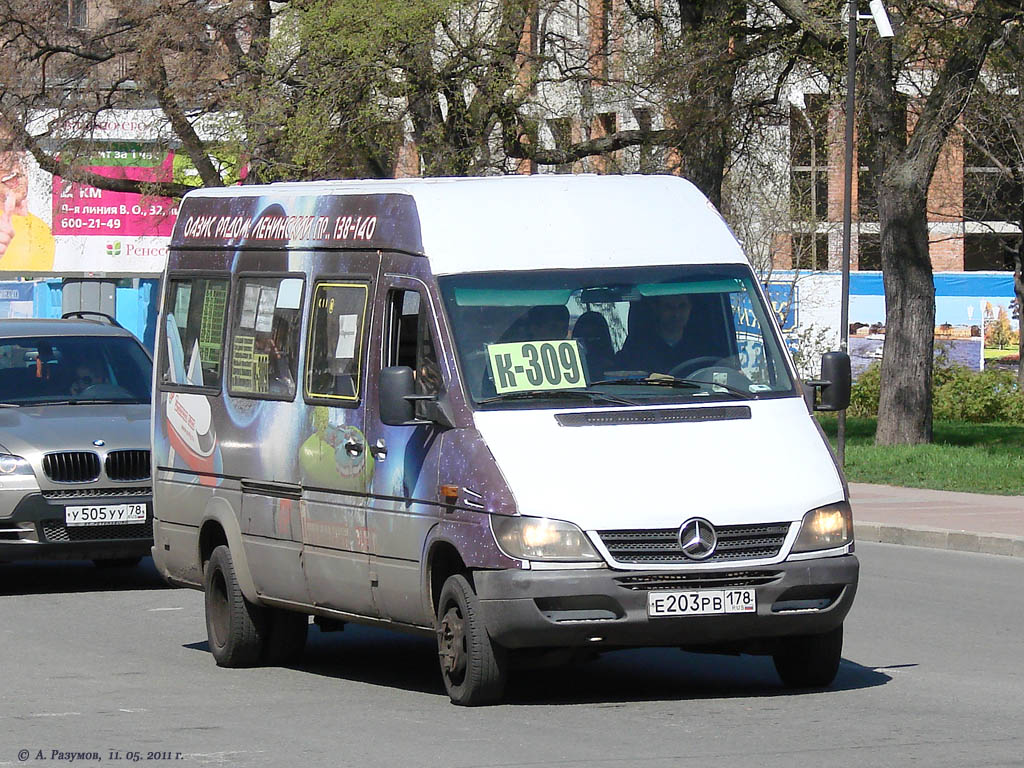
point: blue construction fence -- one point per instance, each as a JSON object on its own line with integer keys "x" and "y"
{"x": 136, "y": 303}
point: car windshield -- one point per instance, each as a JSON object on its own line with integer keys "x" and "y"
{"x": 73, "y": 369}
{"x": 608, "y": 336}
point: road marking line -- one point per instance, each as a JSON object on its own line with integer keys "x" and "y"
{"x": 53, "y": 714}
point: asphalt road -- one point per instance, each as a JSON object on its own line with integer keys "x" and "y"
{"x": 98, "y": 661}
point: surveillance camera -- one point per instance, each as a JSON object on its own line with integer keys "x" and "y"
{"x": 881, "y": 18}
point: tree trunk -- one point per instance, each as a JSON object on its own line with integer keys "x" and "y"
{"x": 905, "y": 402}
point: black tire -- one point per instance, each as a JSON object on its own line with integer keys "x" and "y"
{"x": 285, "y": 636}
{"x": 235, "y": 627}
{"x": 809, "y": 661}
{"x": 473, "y": 667}
{"x": 118, "y": 562}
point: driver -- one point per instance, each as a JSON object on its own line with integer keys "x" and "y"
{"x": 663, "y": 347}
{"x": 86, "y": 376}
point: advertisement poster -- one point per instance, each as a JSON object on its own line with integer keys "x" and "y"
{"x": 967, "y": 307}
{"x": 80, "y": 209}
{"x": 103, "y": 231}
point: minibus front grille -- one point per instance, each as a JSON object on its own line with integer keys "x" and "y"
{"x": 724, "y": 580}
{"x": 71, "y": 466}
{"x": 661, "y": 546}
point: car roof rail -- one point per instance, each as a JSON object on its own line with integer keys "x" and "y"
{"x": 85, "y": 314}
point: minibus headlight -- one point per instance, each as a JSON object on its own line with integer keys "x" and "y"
{"x": 14, "y": 466}
{"x": 825, "y": 528}
{"x": 538, "y": 538}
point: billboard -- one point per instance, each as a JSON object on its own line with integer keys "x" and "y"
{"x": 99, "y": 230}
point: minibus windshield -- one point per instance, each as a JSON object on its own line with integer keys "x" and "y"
{"x": 636, "y": 335}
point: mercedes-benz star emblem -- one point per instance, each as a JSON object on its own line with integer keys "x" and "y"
{"x": 698, "y": 539}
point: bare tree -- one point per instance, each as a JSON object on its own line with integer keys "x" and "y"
{"x": 994, "y": 135}
{"x": 942, "y": 50}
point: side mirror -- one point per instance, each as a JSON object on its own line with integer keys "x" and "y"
{"x": 398, "y": 400}
{"x": 835, "y": 382}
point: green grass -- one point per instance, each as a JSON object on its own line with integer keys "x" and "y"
{"x": 994, "y": 353}
{"x": 979, "y": 458}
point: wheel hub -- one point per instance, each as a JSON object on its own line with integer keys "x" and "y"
{"x": 451, "y": 642}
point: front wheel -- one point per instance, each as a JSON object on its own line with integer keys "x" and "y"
{"x": 473, "y": 667}
{"x": 234, "y": 625}
{"x": 809, "y": 661}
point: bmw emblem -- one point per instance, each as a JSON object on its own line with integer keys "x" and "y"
{"x": 99, "y": 443}
{"x": 697, "y": 538}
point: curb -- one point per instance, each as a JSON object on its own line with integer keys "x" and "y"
{"x": 939, "y": 538}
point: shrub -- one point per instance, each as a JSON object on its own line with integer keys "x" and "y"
{"x": 864, "y": 394}
{"x": 958, "y": 394}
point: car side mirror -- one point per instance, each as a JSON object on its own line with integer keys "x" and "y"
{"x": 835, "y": 382}
{"x": 398, "y": 400}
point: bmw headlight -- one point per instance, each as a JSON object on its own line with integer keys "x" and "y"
{"x": 825, "y": 528}
{"x": 14, "y": 466}
{"x": 538, "y": 538}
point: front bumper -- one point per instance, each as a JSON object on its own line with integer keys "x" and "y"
{"x": 607, "y": 608}
{"x": 36, "y": 530}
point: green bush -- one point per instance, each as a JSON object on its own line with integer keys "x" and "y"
{"x": 864, "y": 394}
{"x": 958, "y": 394}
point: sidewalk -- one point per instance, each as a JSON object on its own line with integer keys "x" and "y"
{"x": 969, "y": 522}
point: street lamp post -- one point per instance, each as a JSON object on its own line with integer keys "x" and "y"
{"x": 881, "y": 19}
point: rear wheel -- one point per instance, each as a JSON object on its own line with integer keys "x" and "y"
{"x": 473, "y": 667}
{"x": 236, "y": 627}
{"x": 809, "y": 661}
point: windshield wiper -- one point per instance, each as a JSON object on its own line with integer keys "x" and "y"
{"x": 10, "y": 405}
{"x": 563, "y": 394}
{"x": 671, "y": 381}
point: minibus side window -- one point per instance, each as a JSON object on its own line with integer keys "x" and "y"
{"x": 411, "y": 343}
{"x": 265, "y": 337}
{"x": 193, "y": 335}
{"x": 336, "y": 342}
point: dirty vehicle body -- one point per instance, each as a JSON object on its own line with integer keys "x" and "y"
{"x": 447, "y": 406}
{"x": 74, "y": 442}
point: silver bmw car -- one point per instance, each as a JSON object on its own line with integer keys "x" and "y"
{"x": 74, "y": 441}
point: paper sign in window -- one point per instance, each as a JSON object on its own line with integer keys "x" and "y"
{"x": 348, "y": 327}
{"x": 249, "y": 303}
{"x": 289, "y": 294}
{"x": 265, "y": 313}
{"x": 535, "y": 365}
{"x": 182, "y": 299}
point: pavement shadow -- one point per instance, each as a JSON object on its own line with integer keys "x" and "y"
{"x": 71, "y": 576}
{"x": 668, "y": 674}
{"x": 406, "y": 662}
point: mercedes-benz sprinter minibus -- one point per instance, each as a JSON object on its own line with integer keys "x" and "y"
{"x": 532, "y": 417}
